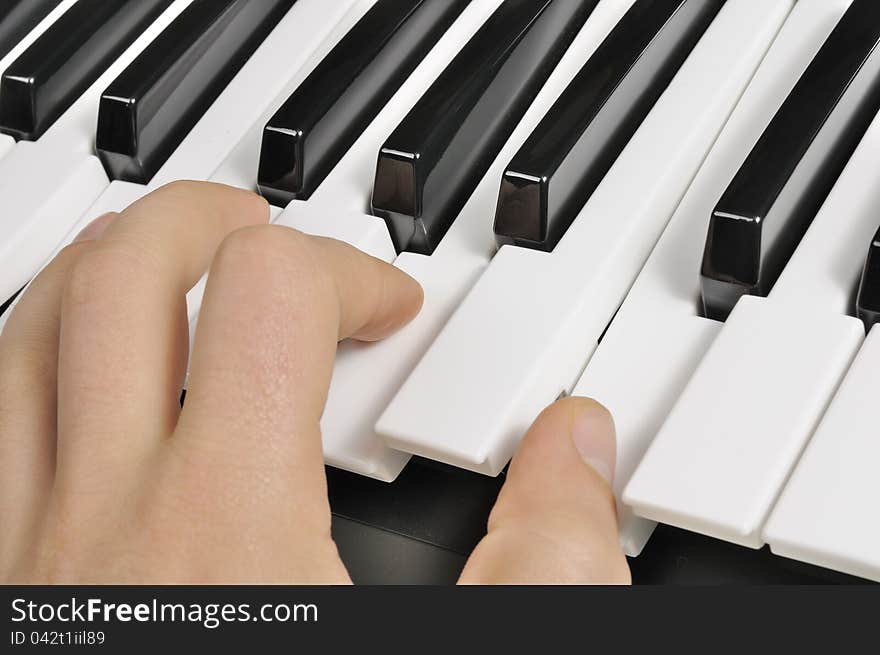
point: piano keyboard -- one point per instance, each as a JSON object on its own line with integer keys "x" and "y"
{"x": 667, "y": 205}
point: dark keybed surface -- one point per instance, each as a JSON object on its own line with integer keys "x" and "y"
{"x": 420, "y": 529}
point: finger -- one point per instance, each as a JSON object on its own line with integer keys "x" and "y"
{"x": 555, "y": 519}
{"x": 276, "y": 304}
{"x": 28, "y": 396}
{"x": 123, "y": 341}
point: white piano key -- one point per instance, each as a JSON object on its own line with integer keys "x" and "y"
{"x": 6, "y": 143}
{"x": 368, "y": 233}
{"x": 41, "y": 206}
{"x": 638, "y": 372}
{"x": 45, "y": 186}
{"x": 366, "y": 376}
{"x": 827, "y": 513}
{"x": 528, "y": 327}
{"x": 657, "y": 338}
{"x": 726, "y": 448}
{"x": 753, "y": 403}
{"x": 826, "y": 267}
{"x": 116, "y": 198}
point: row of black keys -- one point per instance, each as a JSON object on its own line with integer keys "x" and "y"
{"x": 432, "y": 162}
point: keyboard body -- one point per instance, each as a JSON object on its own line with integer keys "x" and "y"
{"x": 663, "y": 204}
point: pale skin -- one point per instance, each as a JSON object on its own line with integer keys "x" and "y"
{"x": 105, "y": 479}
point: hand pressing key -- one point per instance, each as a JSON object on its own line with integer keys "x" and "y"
{"x": 104, "y": 479}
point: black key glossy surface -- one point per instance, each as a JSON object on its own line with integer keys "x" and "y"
{"x": 774, "y": 197}
{"x": 564, "y": 160}
{"x": 18, "y": 17}
{"x": 8, "y": 303}
{"x": 151, "y": 107}
{"x": 317, "y": 125}
{"x": 67, "y": 58}
{"x": 433, "y": 161}
{"x": 869, "y": 289}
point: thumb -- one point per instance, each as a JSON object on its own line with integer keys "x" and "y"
{"x": 555, "y": 520}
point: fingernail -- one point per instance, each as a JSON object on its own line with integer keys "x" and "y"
{"x": 594, "y": 437}
{"x": 96, "y": 228}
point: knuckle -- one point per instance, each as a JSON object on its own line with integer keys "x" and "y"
{"x": 250, "y": 243}
{"x": 243, "y": 201}
{"x": 254, "y": 203}
{"x": 70, "y": 253}
{"x": 100, "y": 273}
{"x": 179, "y": 188}
{"x": 271, "y": 251}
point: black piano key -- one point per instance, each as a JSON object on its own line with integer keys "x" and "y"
{"x": 151, "y": 107}
{"x": 7, "y": 304}
{"x": 67, "y": 58}
{"x": 564, "y": 160}
{"x": 18, "y": 17}
{"x": 317, "y": 125}
{"x": 774, "y": 197}
{"x": 869, "y": 289}
{"x": 433, "y": 161}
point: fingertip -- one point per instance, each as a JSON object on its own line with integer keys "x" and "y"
{"x": 402, "y": 300}
{"x": 571, "y": 439}
{"x": 555, "y": 519}
{"x": 594, "y": 436}
{"x": 411, "y": 296}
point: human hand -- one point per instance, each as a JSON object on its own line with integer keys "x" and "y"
{"x": 105, "y": 479}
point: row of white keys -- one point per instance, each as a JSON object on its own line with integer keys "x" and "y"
{"x": 366, "y": 376}
{"x": 7, "y": 142}
{"x": 658, "y": 337}
{"x": 309, "y": 23}
{"x": 732, "y": 438}
{"x": 827, "y": 513}
{"x": 46, "y": 185}
{"x": 527, "y": 329}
